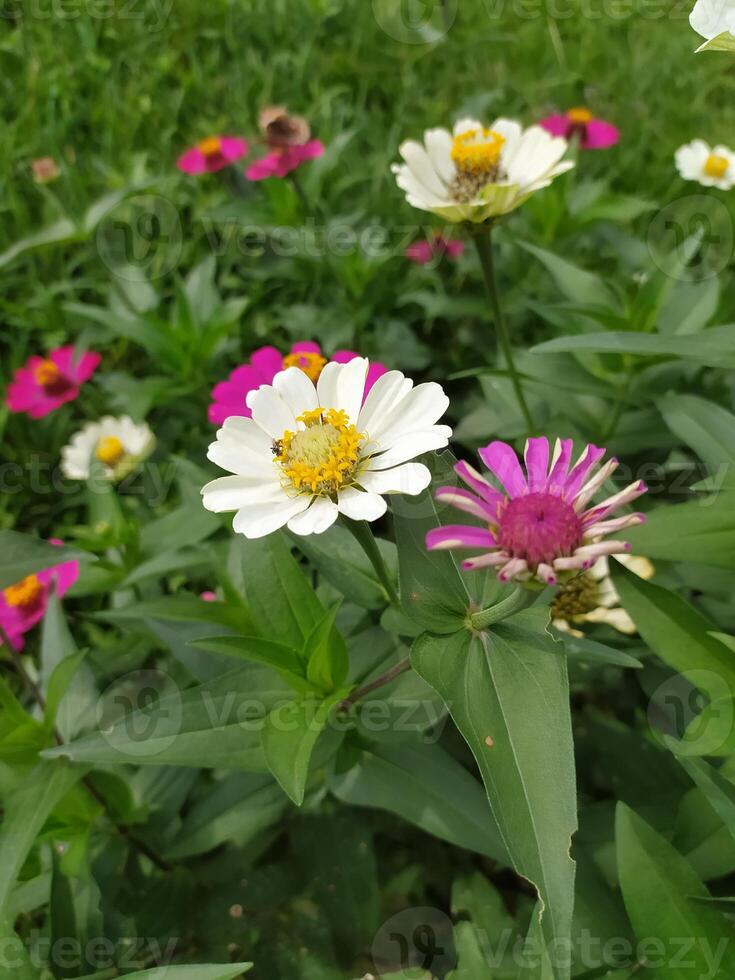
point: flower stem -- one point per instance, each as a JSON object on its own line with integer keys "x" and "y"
{"x": 362, "y": 533}
{"x": 483, "y": 244}
{"x": 385, "y": 678}
{"x": 518, "y": 600}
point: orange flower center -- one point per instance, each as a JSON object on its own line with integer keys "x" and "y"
{"x": 477, "y": 151}
{"x": 46, "y": 373}
{"x": 24, "y": 594}
{"x": 110, "y": 451}
{"x": 211, "y": 146}
{"x": 579, "y": 116}
{"x": 307, "y": 361}
{"x": 716, "y": 166}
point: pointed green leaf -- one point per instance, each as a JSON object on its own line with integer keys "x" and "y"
{"x": 325, "y": 654}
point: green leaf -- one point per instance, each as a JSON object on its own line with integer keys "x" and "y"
{"x": 658, "y": 885}
{"x": 325, "y": 654}
{"x": 719, "y": 791}
{"x": 508, "y": 693}
{"x": 15, "y": 962}
{"x": 60, "y": 232}
{"x": 255, "y": 648}
{"x": 290, "y": 734}
{"x": 582, "y": 648}
{"x": 69, "y": 690}
{"x": 423, "y": 784}
{"x": 282, "y": 603}
{"x": 677, "y": 633}
{"x": 180, "y": 608}
{"x": 705, "y": 427}
{"x": 199, "y": 971}
{"x": 576, "y": 284}
{"x": 723, "y": 42}
{"x": 715, "y": 346}
{"x": 22, "y": 555}
{"x": 26, "y": 810}
{"x": 702, "y": 531}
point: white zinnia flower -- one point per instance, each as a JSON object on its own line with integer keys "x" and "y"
{"x": 711, "y": 166}
{"x": 479, "y": 173}
{"x": 118, "y": 445}
{"x": 592, "y": 598}
{"x": 311, "y": 452}
{"x": 714, "y": 20}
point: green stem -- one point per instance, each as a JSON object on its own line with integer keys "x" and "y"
{"x": 385, "y": 678}
{"x": 515, "y": 602}
{"x": 483, "y": 244}
{"x": 363, "y": 534}
{"x": 622, "y": 400}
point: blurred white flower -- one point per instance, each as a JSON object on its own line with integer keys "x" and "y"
{"x": 311, "y": 452}
{"x": 710, "y": 166}
{"x": 118, "y": 445}
{"x": 715, "y": 21}
{"x": 591, "y": 597}
{"x": 476, "y": 173}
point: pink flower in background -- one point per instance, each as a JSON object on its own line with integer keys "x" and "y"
{"x": 541, "y": 525}
{"x": 265, "y": 363}
{"x": 209, "y": 596}
{"x": 212, "y": 154}
{"x": 288, "y": 140}
{"x": 594, "y": 134}
{"x": 24, "y": 604}
{"x": 45, "y": 383}
{"x": 435, "y": 247}
{"x": 44, "y": 170}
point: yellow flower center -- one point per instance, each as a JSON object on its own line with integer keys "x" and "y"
{"x": 211, "y": 146}
{"x": 309, "y": 362}
{"x": 322, "y": 457}
{"x": 24, "y": 594}
{"x": 716, "y": 166}
{"x": 577, "y": 597}
{"x": 109, "y": 451}
{"x": 579, "y": 116}
{"x": 46, "y": 373}
{"x": 477, "y": 151}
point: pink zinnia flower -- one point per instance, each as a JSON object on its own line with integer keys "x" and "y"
{"x": 23, "y": 604}
{"x": 265, "y": 363}
{"x": 594, "y": 134}
{"x": 288, "y": 139}
{"x": 212, "y": 154}
{"x": 45, "y": 383}
{"x": 434, "y": 247}
{"x": 542, "y": 524}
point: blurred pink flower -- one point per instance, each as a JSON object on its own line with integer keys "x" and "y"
{"x": 24, "y": 604}
{"x": 228, "y": 397}
{"x": 288, "y": 140}
{"x": 45, "y": 383}
{"x": 427, "y": 250}
{"x": 594, "y": 134}
{"x": 212, "y": 154}
{"x": 208, "y": 596}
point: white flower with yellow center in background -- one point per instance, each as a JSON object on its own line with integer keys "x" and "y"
{"x": 591, "y": 597}
{"x": 117, "y": 445}
{"x": 710, "y": 166}
{"x": 311, "y": 452}
{"x": 715, "y": 21}
{"x": 479, "y": 172}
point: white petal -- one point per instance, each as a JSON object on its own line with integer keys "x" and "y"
{"x": 419, "y": 163}
{"x": 243, "y": 448}
{"x": 464, "y": 125}
{"x": 411, "y": 445}
{"x": 439, "y": 147}
{"x": 316, "y": 519}
{"x": 419, "y": 409}
{"x": 342, "y": 386}
{"x": 390, "y": 389}
{"x": 257, "y": 520}
{"x": 297, "y": 390}
{"x": 361, "y": 506}
{"x": 233, "y": 492}
{"x": 271, "y": 412}
{"x": 410, "y": 478}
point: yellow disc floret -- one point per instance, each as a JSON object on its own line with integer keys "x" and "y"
{"x": 307, "y": 361}
{"x": 716, "y": 166}
{"x": 477, "y": 151}
{"x": 24, "y": 594}
{"x": 323, "y": 456}
{"x": 579, "y": 116}
{"x": 211, "y": 146}
{"x": 109, "y": 451}
{"x": 46, "y": 373}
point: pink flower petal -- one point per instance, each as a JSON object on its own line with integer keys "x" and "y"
{"x": 557, "y": 125}
{"x": 500, "y": 459}
{"x": 577, "y": 477}
{"x": 268, "y": 361}
{"x": 537, "y": 462}
{"x": 459, "y": 536}
{"x": 599, "y": 135}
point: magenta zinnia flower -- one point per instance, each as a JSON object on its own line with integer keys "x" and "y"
{"x": 212, "y": 154}
{"x": 541, "y": 525}
{"x": 229, "y": 397}
{"x": 288, "y": 140}
{"x": 426, "y": 251}
{"x": 45, "y": 383}
{"x": 594, "y": 134}
{"x": 23, "y": 604}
